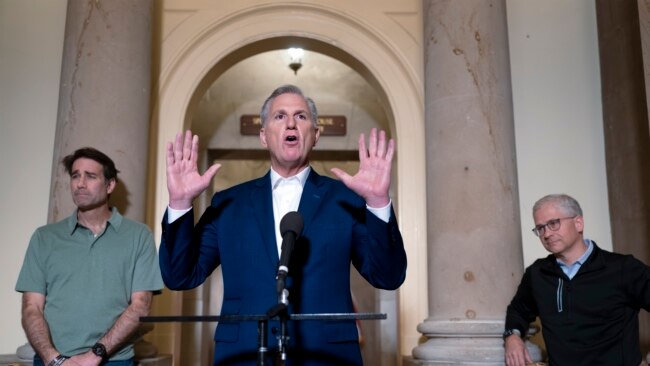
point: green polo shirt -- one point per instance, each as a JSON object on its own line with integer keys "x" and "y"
{"x": 88, "y": 280}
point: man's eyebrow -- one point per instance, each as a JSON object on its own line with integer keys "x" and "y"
{"x": 88, "y": 172}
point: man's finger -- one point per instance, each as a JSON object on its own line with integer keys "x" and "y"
{"x": 212, "y": 171}
{"x": 381, "y": 144}
{"x": 178, "y": 151}
{"x": 391, "y": 150}
{"x": 187, "y": 146}
{"x": 363, "y": 153}
{"x": 372, "y": 143}
{"x": 170, "y": 153}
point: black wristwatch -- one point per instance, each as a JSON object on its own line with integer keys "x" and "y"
{"x": 510, "y": 332}
{"x": 100, "y": 350}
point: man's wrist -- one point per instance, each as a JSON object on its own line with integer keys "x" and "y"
{"x": 174, "y": 214}
{"x": 180, "y": 204}
{"x": 383, "y": 213}
{"x": 508, "y": 332}
{"x": 57, "y": 361}
{"x": 378, "y": 202}
{"x": 99, "y": 350}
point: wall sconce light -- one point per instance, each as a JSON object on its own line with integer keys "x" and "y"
{"x": 295, "y": 55}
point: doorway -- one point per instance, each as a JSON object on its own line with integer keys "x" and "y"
{"x": 199, "y": 47}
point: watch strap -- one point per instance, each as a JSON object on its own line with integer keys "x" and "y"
{"x": 57, "y": 361}
{"x": 509, "y": 332}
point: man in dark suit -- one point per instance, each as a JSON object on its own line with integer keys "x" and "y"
{"x": 346, "y": 221}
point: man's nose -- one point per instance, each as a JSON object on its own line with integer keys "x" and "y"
{"x": 291, "y": 122}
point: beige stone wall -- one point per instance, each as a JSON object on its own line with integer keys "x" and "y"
{"x": 31, "y": 45}
{"x": 558, "y": 112}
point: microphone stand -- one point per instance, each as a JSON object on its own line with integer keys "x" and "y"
{"x": 261, "y": 341}
{"x": 281, "y": 310}
{"x": 283, "y": 339}
{"x": 290, "y": 229}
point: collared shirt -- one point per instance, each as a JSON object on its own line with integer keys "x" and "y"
{"x": 88, "y": 280}
{"x": 572, "y": 269}
{"x": 286, "y": 197}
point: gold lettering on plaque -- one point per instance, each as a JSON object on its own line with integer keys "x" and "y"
{"x": 328, "y": 125}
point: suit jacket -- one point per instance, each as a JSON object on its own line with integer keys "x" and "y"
{"x": 238, "y": 232}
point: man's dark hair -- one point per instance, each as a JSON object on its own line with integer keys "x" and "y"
{"x": 110, "y": 172}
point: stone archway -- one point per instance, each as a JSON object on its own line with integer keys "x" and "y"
{"x": 206, "y": 44}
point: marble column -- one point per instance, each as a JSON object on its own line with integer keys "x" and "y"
{"x": 104, "y": 97}
{"x": 622, "y": 44}
{"x": 474, "y": 242}
{"x": 644, "y": 22}
{"x": 644, "y": 25}
{"x": 104, "y": 102}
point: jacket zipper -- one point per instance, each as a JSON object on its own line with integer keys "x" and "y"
{"x": 560, "y": 284}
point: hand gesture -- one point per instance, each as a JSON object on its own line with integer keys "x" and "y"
{"x": 516, "y": 351}
{"x": 184, "y": 182}
{"x": 372, "y": 181}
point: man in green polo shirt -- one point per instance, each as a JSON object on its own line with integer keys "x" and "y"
{"x": 87, "y": 279}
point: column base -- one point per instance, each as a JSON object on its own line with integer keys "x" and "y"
{"x": 410, "y": 361}
{"x": 466, "y": 342}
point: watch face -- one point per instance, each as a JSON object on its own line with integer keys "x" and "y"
{"x": 99, "y": 350}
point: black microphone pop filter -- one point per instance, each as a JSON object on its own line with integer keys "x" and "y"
{"x": 291, "y": 222}
{"x": 290, "y": 228}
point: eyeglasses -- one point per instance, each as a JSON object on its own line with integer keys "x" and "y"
{"x": 553, "y": 224}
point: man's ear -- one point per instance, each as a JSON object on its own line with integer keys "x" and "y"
{"x": 317, "y": 135}
{"x": 263, "y": 136}
{"x": 110, "y": 187}
{"x": 579, "y": 222}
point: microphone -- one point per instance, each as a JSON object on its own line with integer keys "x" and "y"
{"x": 290, "y": 229}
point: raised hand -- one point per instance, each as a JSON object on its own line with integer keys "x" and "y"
{"x": 184, "y": 182}
{"x": 372, "y": 181}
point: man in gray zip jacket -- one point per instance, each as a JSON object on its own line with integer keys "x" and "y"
{"x": 588, "y": 299}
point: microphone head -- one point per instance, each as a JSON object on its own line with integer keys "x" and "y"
{"x": 292, "y": 221}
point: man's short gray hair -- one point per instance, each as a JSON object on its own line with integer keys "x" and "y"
{"x": 565, "y": 202}
{"x": 288, "y": 89}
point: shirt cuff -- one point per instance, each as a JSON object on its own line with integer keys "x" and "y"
{"x": 383, "y": 213}
{"x": 173, "y": 214}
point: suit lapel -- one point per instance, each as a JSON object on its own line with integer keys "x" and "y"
{"x": 312, "y": 197}
{"x": 262, "y": 204}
